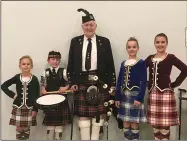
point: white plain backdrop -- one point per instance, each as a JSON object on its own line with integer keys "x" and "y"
{"x": 35, "y": 28}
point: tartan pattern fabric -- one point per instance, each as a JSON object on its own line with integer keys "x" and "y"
{"x": 22, "y": 117}
{"x": 129, "y": 112}
{"x": 57, "y": 116}
{"x": 161, "y": 133}
{"x": 23, "y": 134}
{"x": 162, "y": 108}
{"x": 82, "y": 109}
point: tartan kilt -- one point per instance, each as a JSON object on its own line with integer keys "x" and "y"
{"x": 162, "y": 109}
{"x": 128, "y": 112}
{"x": 22, "y": 117}
{"x": 57, "y": 116}
{"x": 82, "y": 109}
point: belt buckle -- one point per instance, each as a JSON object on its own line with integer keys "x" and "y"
{"x": 91, "y": 77}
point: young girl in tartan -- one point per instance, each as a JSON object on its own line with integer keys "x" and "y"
{"x": 24, "y": 106}
{"x": 162, "y": 112}
{"x": 130, "y": 91}
{"x": 55, "y": 79}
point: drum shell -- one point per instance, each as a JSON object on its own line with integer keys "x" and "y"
{"x": 48, "y": 107}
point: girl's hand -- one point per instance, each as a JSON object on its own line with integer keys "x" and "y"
{"x": 15, "y": 97}
{"x": 137, "y": 103}
{"x": 62, "y": 89}
{"x": 117, "y": 103}
{"x": 33, "y": 114}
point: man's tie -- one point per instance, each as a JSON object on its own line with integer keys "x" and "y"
{"x": 88, "y": 55}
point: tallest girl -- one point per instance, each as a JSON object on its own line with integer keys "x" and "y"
{"x": 162, "y": 112}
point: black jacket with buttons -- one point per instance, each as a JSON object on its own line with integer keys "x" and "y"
{"x": 27, "y": 98}
{"x": 159, "y": 72}
{"x": 105, "y": 63}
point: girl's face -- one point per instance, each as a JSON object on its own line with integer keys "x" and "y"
{"x": 160, "y": 44}
{"x": 54, "y": 62}
{"x": 25, "y": 65}
{"x": 132, "y": 48}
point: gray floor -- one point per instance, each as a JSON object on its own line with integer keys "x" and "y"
{"x": 184, "y": 124}
{"x": 38, "y": 133}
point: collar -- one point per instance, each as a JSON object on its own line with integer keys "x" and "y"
{"x": 93, "y": 38}
{"x": 56, "y": 69}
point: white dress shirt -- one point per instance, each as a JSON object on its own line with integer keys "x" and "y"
{"x": 93, "y": 53}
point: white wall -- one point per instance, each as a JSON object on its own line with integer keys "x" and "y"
{"x": 35, "y": 28}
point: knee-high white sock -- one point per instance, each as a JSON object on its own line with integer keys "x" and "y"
{"x": 58, "y": 132}
{"x": 84, "y": 129}
{"x": 96, "y": 128}
{"x": 50, "y": 132}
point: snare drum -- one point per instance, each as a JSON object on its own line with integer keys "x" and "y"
{"x": 50, "y": 101}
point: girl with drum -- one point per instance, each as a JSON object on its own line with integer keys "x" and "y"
{"x": 162, "y": 111}
{"x": 24, "y": 106}
{"x": 54, "y": 80}
{"x": 130, "y": 91}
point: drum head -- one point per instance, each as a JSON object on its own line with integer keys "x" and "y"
{"x": 50, "y": 99}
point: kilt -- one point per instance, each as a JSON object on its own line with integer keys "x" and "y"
{"x": 162, "y": 109}
{"x": 129, "y": 112}
{"x": 82, "y": 108}
{"x": 22, "y": 117}
{"x": 57, "y": 116}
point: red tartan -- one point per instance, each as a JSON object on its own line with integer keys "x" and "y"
{"x": 59, "y": 116}
{"x": 22, "y": 117}
{"x": 83, "y": 110}
{"x": 162, "y": 108}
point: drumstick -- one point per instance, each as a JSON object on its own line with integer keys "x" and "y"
{"x": 55, "y": 92}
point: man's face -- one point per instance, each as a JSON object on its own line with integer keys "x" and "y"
{"x": 89, "y": 28}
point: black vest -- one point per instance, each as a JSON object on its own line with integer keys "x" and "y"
{"x": 54, "y": 82}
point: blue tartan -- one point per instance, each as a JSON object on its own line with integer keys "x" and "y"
{"x": 129, "y": 112}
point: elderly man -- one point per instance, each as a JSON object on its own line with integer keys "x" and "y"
{"x": 90, "y": 55}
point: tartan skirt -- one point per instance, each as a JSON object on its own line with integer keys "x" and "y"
{"x": 128, "y": 112}
{"x": 57, "y": 116}
{"x": 162, "y": 109}
{"x": 22, "y": 117}
{"x": 82, "y": 109}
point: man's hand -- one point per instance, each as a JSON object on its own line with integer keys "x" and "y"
{"x": 74, "y": 88}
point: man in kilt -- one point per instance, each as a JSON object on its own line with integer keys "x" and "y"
{"x": 54, "y": 79}
{"x": 90, "y": 55}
